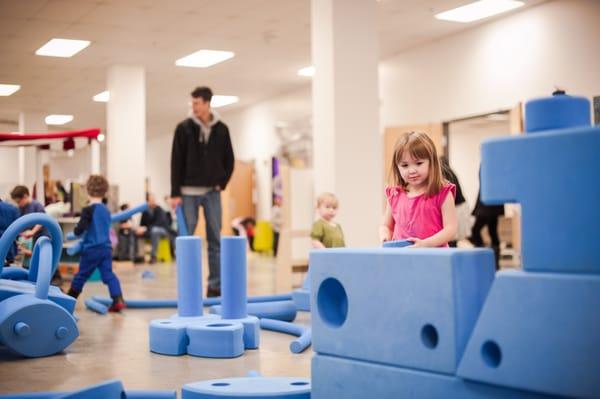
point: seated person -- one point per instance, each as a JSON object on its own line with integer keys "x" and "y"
{"x": 127, "y": 248}
{"x": 155, "y": 225}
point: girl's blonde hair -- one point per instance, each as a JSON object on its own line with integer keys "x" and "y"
{"x": 419, "y": 146}
{"x": 327, "y": 198}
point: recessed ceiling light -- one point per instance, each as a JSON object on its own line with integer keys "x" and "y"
{"x": 204, "y": 58}
{"x": 7, "y": 90}
{"x": 307, "y": 71}
{"x": 58, "y": 119}
{"x": 62, "y": 47}
{"x": 478, "y": 10}
{"x": 221, "y": 101}
{"x": 101, "y": 137}
{"x": 102, "y": 97}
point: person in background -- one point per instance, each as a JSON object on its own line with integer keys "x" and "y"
{"x": 8, "y": 214}
{"x": 277, "y": 222}
{"x": 154, "y": 225}
{"x": 463, "y": 216}
{"x": 325, "y": 232}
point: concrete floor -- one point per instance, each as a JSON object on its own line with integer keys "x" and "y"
{"x": 115, "y": 346}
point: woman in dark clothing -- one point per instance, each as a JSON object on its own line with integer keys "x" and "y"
{"x": 459, "y": 200}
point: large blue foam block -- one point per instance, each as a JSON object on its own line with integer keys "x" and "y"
{"x": 412, "y": 308}
{"x": 552, "y": 175}
{"x": 249, "y": 388}
{"x": 169, "y": 336}
{"x": 538, "y": 331}
{"x": 350, "y": 379}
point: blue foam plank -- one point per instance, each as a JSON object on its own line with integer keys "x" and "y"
{"x": 249, "y": 388}
{"x": 551, "y": 174}
{"x": 538, "y": 331}
{"x": 279, "y": 310}
{"x": 301, "y": 299}
{"x": 216, "y": 339}
{"x": 10, "y": 288}
{"x": 350, "y": 379}
{"x": 34, "y": 327}
{"x": 412, "y": 308}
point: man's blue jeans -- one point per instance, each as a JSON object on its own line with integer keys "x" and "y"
{"x": 211, "y": 203}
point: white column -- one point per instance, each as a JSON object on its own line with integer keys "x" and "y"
{"x": 30, "y": 158}
{"x": 95, "y": 157}
{"x": 347, "y": 141}
{"x": 126, "y": 131}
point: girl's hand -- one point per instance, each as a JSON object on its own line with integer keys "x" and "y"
{"x": 417, "y": 243}
{"x": 384, "y": 235}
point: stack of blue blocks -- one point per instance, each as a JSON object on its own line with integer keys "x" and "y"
{"x": 431, "y": 323}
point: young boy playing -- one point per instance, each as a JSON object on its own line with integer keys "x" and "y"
{"x": 96, "y": 250}
{"x": 325, "y": 232}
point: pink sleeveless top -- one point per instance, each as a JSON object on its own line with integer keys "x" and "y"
{"x": 420, "y": 216}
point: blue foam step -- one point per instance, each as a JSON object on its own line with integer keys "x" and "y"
{"x": 558, "y": 226}
{"x": 538, "y": 331}
{"x": 334, "y": 377}
{"x": 412, "y": 308}
{"x": 249, "y": 388}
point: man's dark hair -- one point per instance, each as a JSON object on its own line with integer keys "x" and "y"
{"x": 19, "y": 192}
{"x": 202, "y": 92}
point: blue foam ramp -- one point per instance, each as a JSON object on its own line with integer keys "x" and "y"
{"x": 10, "y": 288}
{"x": 301, "y": 299}
{"x": 279, "y": 310}
{"x": 351, "y": 379}
{"x": 412, "y": 308}
{"x": 557, "y": 225}
{"x": 538, "y": 331}
{"x": 249, "y": 388}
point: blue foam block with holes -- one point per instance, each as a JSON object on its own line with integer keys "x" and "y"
{"x": 216, "y": 339}
{"x": 351, "y": 379}
{"x": 538, "y": 331}
{"x": 169, "y": 336}
{"x": 552, "y": 175}
{"x": 10, "y": 288}
{"x": 301, "y": 299}
{"x": 249, "y": 388}
{"x": 412, "y": 308}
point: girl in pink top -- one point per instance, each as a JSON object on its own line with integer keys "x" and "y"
{"x": 420, "y": 206}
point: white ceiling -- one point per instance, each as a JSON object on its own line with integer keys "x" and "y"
{"x": 271, "y": 40}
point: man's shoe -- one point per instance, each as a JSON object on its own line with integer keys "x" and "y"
{"x": 213, "y": 292}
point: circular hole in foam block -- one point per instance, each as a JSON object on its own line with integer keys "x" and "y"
{"x": 299, "y": 383}
{"x": 491, "y": 354}
{"x": 221, "y": 384}
{"x": 218, "y": 325}
{"x": 429, "y": 336}
{"x": 332, "y": 302}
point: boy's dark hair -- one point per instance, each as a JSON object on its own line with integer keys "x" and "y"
{"x": 203, "y": 92}
{"x": 97, "y": 186}
{"x": 19, "y": 192}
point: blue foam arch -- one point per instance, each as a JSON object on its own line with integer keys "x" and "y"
{"x": 12, "y": 232}
{"x": 303, "y": 333}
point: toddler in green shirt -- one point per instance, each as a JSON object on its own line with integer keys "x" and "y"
{"x": 325, "y": 232}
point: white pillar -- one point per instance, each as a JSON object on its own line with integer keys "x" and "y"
{"x": 30, "y": 158}
{"x": 347, "y": 141}
{"x": 126, "y": 131}
{"x": 95, "y": 157}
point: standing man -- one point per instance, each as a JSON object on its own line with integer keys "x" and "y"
{"x": 201, "y": 165}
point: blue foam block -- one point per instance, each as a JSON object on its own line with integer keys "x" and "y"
{"x": 216, "y": 339}
{"x": 303, "y": 333}
{"x": 96, "y": 306}
{"x": 406, "y": 308}
{"x": 249, "y": 388}
{"x": 550, "y": 174}
{"x": 189, "y": 276}
{"x": 125, "y": 395}
{"x": 350, "y": 379}
{"x": 538, "y": 331}
{"x": 397, "y": 244}
{"x": 169, "y": 336}
{"x": 112, "y": 389}
{"x": 233, "y": 277}
{"x": 301, "y": 299}
{"x": 251, "y": 326}
{"x": 34, "y": 327}
{"x": 279, "y": 310}
{"x": 10, "y": 288}
{"x": 557, "y": 112}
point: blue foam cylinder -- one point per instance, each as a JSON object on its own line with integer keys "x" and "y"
{"x": 280, "y": 310}
{"x": 181, "y": 223}
{"x": 559, "y": 111}
{"x": 397, "y": 244}
{"x": 96, "y": 306}
{"x": 189, "y": 276}
{"x": 303, "y": 333}
{"x": 172, "y": 303}
{"x": 126, "y": 214}
{"x": 233, "y": 278}
{"x": 24, "y": 222}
